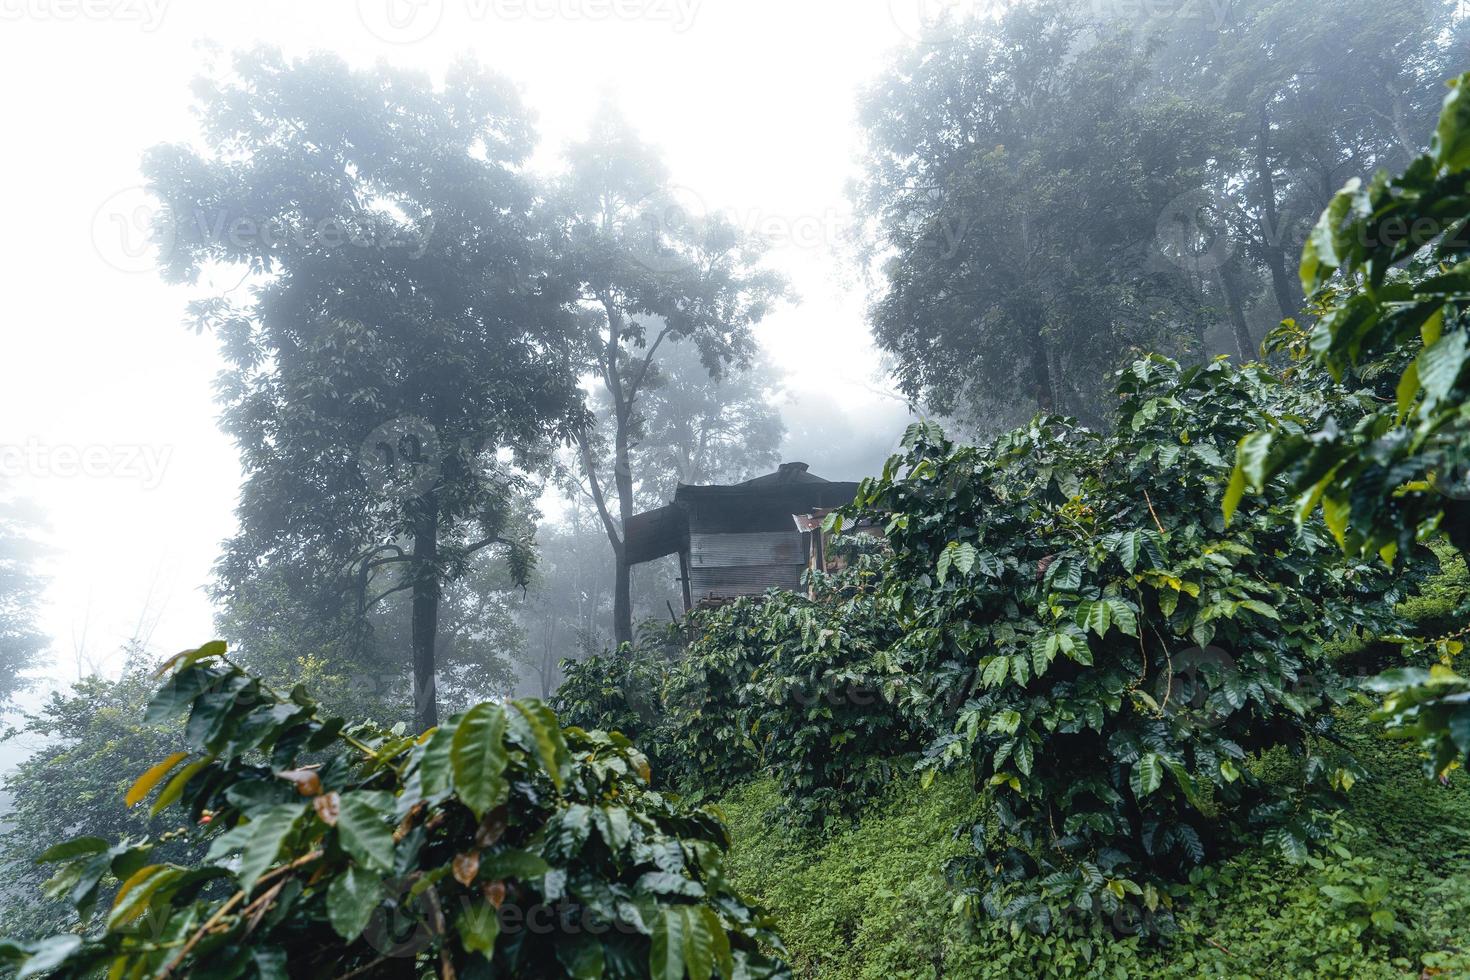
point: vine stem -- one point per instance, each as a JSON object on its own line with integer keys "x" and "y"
{"x": 1153, "y": 513}
{"x": 365, "y": 968}
{"x": 224, "y": 910}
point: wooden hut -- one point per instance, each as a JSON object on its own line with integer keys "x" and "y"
{"x": 738, "y": 540}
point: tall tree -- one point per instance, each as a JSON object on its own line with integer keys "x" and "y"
{"x": 21, "y": 586}
{"x": 690, "y": 427}
{"x": 400, "y": 347}
{"x": 1311, "y": 95}
{"x": 1014, "y": 182}
{"x": 1057, "y": 185}
{"x": 652, "y": 270}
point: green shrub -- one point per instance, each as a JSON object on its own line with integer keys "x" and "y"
{"x": 1129, "y": 657}
{"x": 865, "y": 902}
{"x": 803, "y": 688}
{"x": 497, "y": 844}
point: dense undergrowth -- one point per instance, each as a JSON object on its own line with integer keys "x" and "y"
{"x": 1062, "y": 616}
{"x": 867, "y": 902}
{"x": 1388, "y": 896}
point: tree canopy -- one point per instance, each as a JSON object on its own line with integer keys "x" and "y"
{"x": 400, "y": 345}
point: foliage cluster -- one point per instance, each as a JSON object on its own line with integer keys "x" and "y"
{"x": 868, "y": 902}
{"x": 93, "y": 744}
{"x": 498, "y": 844}
{"x": 1390, "y": 265}
{"x": 1125, "y": 655}
{"x": 1063, "y": 615}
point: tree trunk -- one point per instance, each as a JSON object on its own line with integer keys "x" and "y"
{"x": 427, "y": 589}
{"x": 1230, "y": 286}
{"x": 623, "y": 480}
{"x": 1273, "y": 243}
{"x": 1041, "y": 375}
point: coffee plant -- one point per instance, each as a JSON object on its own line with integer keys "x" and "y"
{"x": 498, "y": 844}
{"x": 1389, "y": 263}
{"x": 806, "y": 688}
{"x": 1132, "y": 664}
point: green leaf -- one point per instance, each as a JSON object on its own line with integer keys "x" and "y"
{"x": 1451, "y": 143}
{"x": 666, "y": 951}
{"x": 1440, "y": 365}
{"x": 73, "y": 848}
{"x": 1253, "y": 456}
{"x": 48, "y": 954}
{"x": 989, "y": 565}
{"x": 1234, "y": 491}
{"x": 1335, "y": 512}
{"x": 362, "y": 828}
{"x": 177, "y": 784}
{"x": 513, "y": 864}
{"x": 614, "y": 825}
{"x": 1043, "y": 650}
{"x": 1147, "y": 775}
{"x": 1260, "y": 608}
{"x": 134, "y": 894}
{"x": 994, "y": 673}
{"x": 699, "y": 944}
{"x": 724, "y": 959}
{"x": 534, "y": 725}
{"x": 1123, "y": 615}
{"x": 1322, "y": 254}
{"x": 1065, "y": 574}
{"x": 1096, "y": 616}
{"x": 581, "y": 956}
{"x": 1408, "y": 390}
{"x": 434, "y": 766}
{"x": 479, "y": 927}
{"x": 964, "y": 557}
{"x": 268, "y": 831}
{"x": 478, "y": 758}
{"x": 351, "y": 899}
{"x": 1024, "y": 754}
{"x": 1127, "y": 549}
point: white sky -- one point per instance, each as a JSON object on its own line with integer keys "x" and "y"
{"x": 106, "y": 410}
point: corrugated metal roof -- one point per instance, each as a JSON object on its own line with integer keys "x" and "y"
{"x": 762, "y": 548}
{"x": 743, "y": 580}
